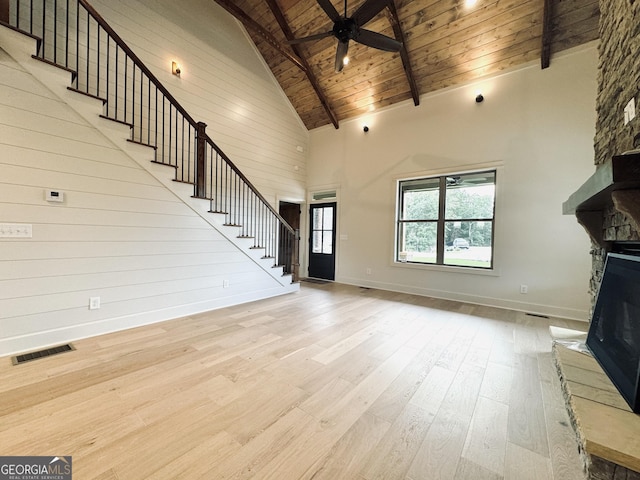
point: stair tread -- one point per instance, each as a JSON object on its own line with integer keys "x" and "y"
{"x": 49, "y": 62}
{"x": 116, "y": 120}
{"x": 87, "y": 94}
{"x": 142, "y": 143}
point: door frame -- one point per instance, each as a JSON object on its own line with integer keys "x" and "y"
{"x": 322, "y": 263}
{"x": 312, "y": 192}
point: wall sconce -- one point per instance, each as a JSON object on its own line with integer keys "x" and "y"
{"x": 175, "y": 69}
{"x": 479, "y": 98}
{"x": 365, "y": 128}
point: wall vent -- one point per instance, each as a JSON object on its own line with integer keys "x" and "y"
{"x": 47, "y": 352}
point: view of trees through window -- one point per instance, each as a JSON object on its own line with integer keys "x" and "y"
{"x": 447, "y": 220}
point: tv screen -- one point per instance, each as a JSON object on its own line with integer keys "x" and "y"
{"x": 614, "y": 333}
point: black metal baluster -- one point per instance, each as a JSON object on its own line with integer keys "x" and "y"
{"x": 44, "y": 29}
{"x": 108, "y": 68}
{"x": 149, "y": 111}
{"x": 164, "y": 121}
{"x": 141, "y": 102}
{"x": 133, "y": 102}
{"x": 77, "y": 44}
{"x": 182, "y": 150}
{"x": 66, "y": 41}
{"x": 126, "y": 78}
{"x": 88, "y": 66}
{"x": 98, "y": 64}
{"x": 217, "y": 172}
{"x": 115, "y": 83}
{"x": 156, "y": 127}
{"x": 55, "y": 31}
{"x": 189, "y": 160}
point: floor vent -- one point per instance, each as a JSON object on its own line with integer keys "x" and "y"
{"x": 47, "y": 352}
{"x": 536, "y": 315}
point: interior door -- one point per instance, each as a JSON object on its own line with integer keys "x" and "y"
{"x": 291, "y": 213}
{"x": 322, "y": 241}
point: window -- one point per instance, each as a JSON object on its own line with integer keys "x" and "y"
{"x": 447, "y": 220}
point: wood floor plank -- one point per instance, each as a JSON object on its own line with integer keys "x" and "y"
{"x": 467, "y": 470}
{"x": 564, "y": 462}
{"x": 350, "y": 453}
{"x": 392, "y": 456}
{"x": 439, "y": 454}
{"x": 486, "y": 441}
{"x": 335, "y": 382}
{"x": 523, "y": 464}
{"x": 496, "y": 384}
{"x": 441, "y": 449}
{"x": 527, "y": 427}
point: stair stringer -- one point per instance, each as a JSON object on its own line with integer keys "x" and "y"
{"x": 21, "y": 47}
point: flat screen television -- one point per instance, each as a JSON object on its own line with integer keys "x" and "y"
{"x": 614, "y": 333}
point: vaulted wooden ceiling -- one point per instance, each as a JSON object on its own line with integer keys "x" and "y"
{"x": 445, "y": 42}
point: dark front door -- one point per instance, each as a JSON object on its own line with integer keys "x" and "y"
{"x": 322, "y": 241}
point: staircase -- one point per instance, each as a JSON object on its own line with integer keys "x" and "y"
{"x": 86, "y": 64}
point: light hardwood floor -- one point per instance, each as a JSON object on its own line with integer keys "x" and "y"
{"x": 334, "y": 382}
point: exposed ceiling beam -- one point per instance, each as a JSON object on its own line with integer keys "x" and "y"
{"x": 282, "y": 21}
{"x": 251, "y": 24}
{"x": 547, "y": 31}
{"x": 392, "y": 14}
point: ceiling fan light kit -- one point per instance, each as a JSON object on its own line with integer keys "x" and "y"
{"x": 350, "y": 28}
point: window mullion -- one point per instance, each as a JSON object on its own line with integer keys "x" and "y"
{"x": 440, "y": 246}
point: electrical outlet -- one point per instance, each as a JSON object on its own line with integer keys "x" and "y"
{"x": 368, "y": 271}
{"x": 225, "y": 283}
{"x": 524, "y": 289}
{"x": 94, "y": 303}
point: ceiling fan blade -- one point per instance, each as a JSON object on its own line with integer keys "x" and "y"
{"x": 343, "y": 48}
{"x": 329, "y": 9}
{"x": 317, "y": 36}
{"x": 368, "y": 10}
{"x": 377, "y": 40}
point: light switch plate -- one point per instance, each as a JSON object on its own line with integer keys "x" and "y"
{"x": 630, "y": 111}
{"x": 16, "y": 230}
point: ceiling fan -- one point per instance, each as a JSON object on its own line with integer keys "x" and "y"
{"x": 350, "y": 28}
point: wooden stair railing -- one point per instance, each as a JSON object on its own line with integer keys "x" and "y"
{"x": 74, "y": 36}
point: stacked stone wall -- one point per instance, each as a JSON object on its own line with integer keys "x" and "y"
{"x": 618, "y": 77}
{"x": 618, "y": 82}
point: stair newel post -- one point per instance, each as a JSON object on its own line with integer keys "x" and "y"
{"x": 4, "y": 11}
{"x": 201, "y": 161}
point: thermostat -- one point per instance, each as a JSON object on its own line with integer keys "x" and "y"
{"x": 54, "y": 196}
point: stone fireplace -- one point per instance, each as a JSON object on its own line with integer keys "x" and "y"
{"x": 607, "y": 205}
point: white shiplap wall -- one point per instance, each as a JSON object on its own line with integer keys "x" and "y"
{"x": 120, "y": 234}
{"x": 224, "y": 83}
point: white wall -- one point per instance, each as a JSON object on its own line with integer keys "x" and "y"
{"x": 120, "y": 234}
{"x": 537, "y": 124}
{"x": 224, "y": 83}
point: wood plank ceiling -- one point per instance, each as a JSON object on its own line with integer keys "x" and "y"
{"x": 446, "y": 43}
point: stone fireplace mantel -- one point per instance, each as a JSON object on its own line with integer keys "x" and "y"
{"x": 616, "y": 184}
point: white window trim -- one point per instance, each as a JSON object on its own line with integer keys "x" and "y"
{"x": 461, "y": 170}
